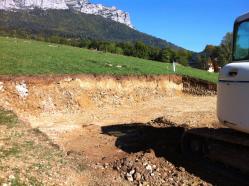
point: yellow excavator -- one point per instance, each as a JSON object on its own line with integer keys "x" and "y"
{"x": 229, "y": 145}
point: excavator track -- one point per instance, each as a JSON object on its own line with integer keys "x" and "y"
{"x": 223, "y": 145}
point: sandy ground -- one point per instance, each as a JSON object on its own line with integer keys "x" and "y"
{"x": 185, "y": 109}
{"x": 133, "y": 145}
{"x": 101, "y": 149}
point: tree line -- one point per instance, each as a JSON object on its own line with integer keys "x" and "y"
{"x": 218, "y": 56}
{"x": 140, "y": 50}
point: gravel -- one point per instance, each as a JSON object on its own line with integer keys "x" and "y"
{"x": 147, "y": 169}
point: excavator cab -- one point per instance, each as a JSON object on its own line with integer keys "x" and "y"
{"x": 233, "y": 85}
{"x": 241, "y": 39}
{"x": 225, "y": 145}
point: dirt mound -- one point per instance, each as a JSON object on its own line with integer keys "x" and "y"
{"x": 80, "y": 97}
{"x": 198, "y": 87}
{"x": 54, "y": 99}
{"x": 147, "y": 169}
{"x": 155, "y": 157}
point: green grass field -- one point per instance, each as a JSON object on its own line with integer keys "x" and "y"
{"x": 28, "y": 57}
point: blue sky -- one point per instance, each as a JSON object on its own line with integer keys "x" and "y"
{"x": 191, "y": 24}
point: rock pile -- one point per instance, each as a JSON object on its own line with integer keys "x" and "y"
{"x": 147, "y": 169}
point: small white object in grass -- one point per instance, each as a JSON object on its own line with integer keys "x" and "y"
{"x": 108, "y": 64}
{"x": 52, "y": 45}
{"x": 119, "y": 66}
{"x": 174, "y": 66}
{"x": 22, "y": 89}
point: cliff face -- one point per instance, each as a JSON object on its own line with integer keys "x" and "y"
{"x": 113, "y": 13}
{"x": 83, "y": 6}
{"x": 31, "y": 4}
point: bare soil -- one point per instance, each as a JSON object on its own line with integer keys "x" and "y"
{"x": 110, "y": 132}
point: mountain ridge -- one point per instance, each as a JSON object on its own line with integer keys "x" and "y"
{"x": 83, "y": 6}
{"x": 71, "y": 24}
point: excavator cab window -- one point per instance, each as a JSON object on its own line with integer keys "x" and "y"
{"x": 241, "y": 42}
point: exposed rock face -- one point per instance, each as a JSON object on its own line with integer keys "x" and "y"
{"x": 107, "y": 12}
{"x": 83, "y": 6}
{"x": 31, "y": 4}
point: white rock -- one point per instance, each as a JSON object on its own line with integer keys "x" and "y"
{"x": 1, "y": 87}
{"x": 83, "y": 6}
{"x": 31, "y": 4}
{"x": 7, "y": 4}
{"x": 68, "y": 79}
{"x": 149, "y": 168}
{"x": 129, "y": 177}
{"x": 132, "y": 172}
{"x": 6, "y": 184}
{"x": 22, "y": 89}
{"x": 12, "y": 177}
{"x": 107, "y": 12}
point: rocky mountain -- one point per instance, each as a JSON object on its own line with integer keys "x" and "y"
{"x": 70, "y": 24}
{"x": 83, "y": 6}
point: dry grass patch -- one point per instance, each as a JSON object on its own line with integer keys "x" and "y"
{"x": 27, "y": 157}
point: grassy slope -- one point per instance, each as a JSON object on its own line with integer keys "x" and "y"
{"x": 27, "y": 57}
{"x": 27, "y": 157}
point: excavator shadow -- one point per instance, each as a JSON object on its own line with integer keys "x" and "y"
{"x": 166, "y": 142}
